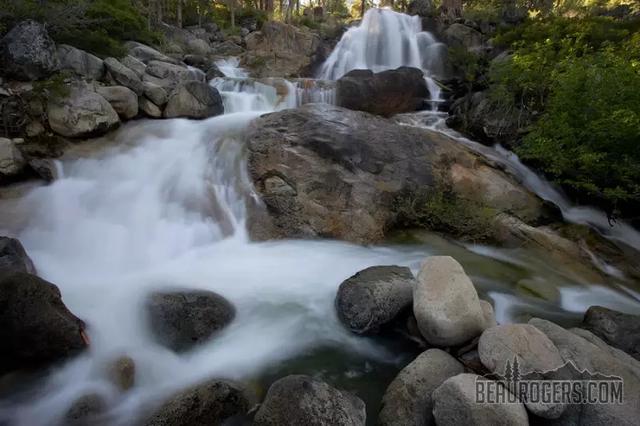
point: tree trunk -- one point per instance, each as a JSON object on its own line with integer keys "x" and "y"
{"x": 452, "y": 8}
{"x": 179, "y": 14}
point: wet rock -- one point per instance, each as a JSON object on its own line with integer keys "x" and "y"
{"x": 455, "y": 404}
{"x": 122, "y": 372}
{"x": 11, "y": 160}
{"x": 155, "y": 93}
{"x": 374, "y": 297}
{"x": 14, "y": 257}
{"x": 27, "y": 52}
{"x": 303, "y": 400}
{"x": 82, "y": 113}
{"x": 182, "y": 319}
{"x": 149, "y": 108}
{"x": 422, "y": 8}
{"x": 407, "y": 401}
{"x": 123, "y": 100}
{"x": 385, "y": 93}
{"x": 124, "y": 76}
{"x": 446, "y": 304}
{"x": 86, "y": 411}
{"x": 214, "y": 72}
{"x": 44, "y": 168}
{"x": 211, "y": 402}
{"x": 80, "y": 62}
{"x": 616, "y": 328}
{"x": 37, "y": 328}
{"x": 194, "y": 99}
{"x": 535, "y": 353}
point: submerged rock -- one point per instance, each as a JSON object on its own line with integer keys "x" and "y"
{"x": 182, "y": 319}
{"x": 386, "y": 93}
{"x": 446, "y": 304}
{"x": 374, "y": 297}
{"x": 618, "y": 329}
{"x": 37, "y": 328}
{"x": 194, "y": 99}
{"x": 407, "y": 401}
{"x": 27, "y": 52}
{"x": 303, "y": 400}
{"x": 13, "y": 257}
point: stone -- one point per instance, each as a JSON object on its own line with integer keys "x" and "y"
{"x": 194, "y": 99}
{"x": 174, "y": 73}
{"x": 80, "y": 62}
{"x": 37, "y": 328}
{"x": 464, "y": 36}
{"x": 27, "y": 52}
{"x": 155, "y": 93}
{"x": 124, "y": 76}
{"x": 135, "y": 65}
{"x": 198, "y": 47}
{"x": 82, "y": 113}
{"x": 455, "y": 404}
{"x": 123, "y": 100}
{"x": 11, "y": 160}
{"x": 14, "y": 257}
{"x": 122, "y": 372}
{"x": 407, "y": 401}
{"x": 146, "y": 53}
{"x": 303, "y": 400}
{"x": 385, "y": 93}
{"x": 149, "y": 109}
{"x": 182, "y": 319}
{"x": 618, "y": 329}
{"x": 86, "y": 410}
{"x": 422, "y": 8}
{"x": 446, "y": 304}
{"x": 374, "y": 297}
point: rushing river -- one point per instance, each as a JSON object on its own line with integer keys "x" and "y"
{"x": 161, "y": 205}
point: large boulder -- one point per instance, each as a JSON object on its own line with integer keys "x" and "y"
{"x": 81, "y": 113}
{"x": 407, "y": 401}
{"x": 80, "y": 62}
{"x": 14, "y": 257}
{"x": 172, "y": 73}
{"x": 146, "y": 53}
{"x": 326, "y": 171}
{"x": 385, "y": 93}
{"x": 183, "y": 319}
{"x": 37, "y": 328}
{"x": 374, "y": 297}
{"x": 422, "y": 8}
{"x": 303, "y": 400}
{"x": 27, "y": 52}
{"x": 446, "y": 304}
{"x": 194, "y": 99}
{"x": 124, "y": 76}
{"x": 123, "y": 100}
{"x": 12, "y": 161}
{"x": 134, "y": 64}
{"x": 461, "y": 35}
{"x": 616, "y": 328}
{"x": 155, "y": 93}
{"x": 208, "y": 403}
{"x": 455, "y": 404}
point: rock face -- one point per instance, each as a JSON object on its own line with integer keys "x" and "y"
{"x": 155, "y": 94}
{"x": 407, "y": 401}
{"x": 27, "y": 52}
{"x": 282, "y": 50}
{"x": 211, "y": 402}
{"x": 445, "y": 303}
{"x": 183, "y": 319}
{"x": 194, "y": 99}
{"x": 81, "y": 113}
{"x": 80, "y": 62}
{"x": 385, "y": 93}
{"x": 13, "y": 257}
{"x": 173, "y": 74}
{"x": 123, "y": 100}
{"x": 124, "y": 76}
{"x": 37, "y": 328}
{"x": 325, "y": 171}
{"x": 86, "y": 410}
{"x": 616, "y": 328}
{"x": 374, "y": 297}
{"x": 464, "y": 36}
{"x": 11, "y": 160}
{"x": 455, "y": 404}
{"x": 303, "y": 400}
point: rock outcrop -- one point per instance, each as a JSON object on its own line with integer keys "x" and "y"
{"x": 194, "y": 99}
{"x": 28, "y": 53}
{"x": 618, "y": 329}
{"x": 124, "y": 76}
{"x": 13, "y": 257}
{"x": 80, "y": 62}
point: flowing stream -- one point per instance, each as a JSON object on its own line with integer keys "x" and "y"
{"x": 161, "y": 205}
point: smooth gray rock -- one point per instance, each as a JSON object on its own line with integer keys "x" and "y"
{"x": 374, "y": 297}
{"x": 303, "y": 400}
{"x": 155, "y": 93}
{"x": 124, "y": 76}
{"x": 616, "y": 328}
{"x": 14, "y": 257}
{"x": 80, "y": 62}
{"x": 11, "y": 160}
{"x": 27, "y": 52}
{"x": 176, "y": 74}
{"x": 149, "y": 109}
{"x": 135, "y": 65}
{"x": 194, "y": 99}
{"x": 123, "y": 100}
{"x": 146, "y": 53}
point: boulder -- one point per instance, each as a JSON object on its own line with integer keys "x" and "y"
{"x": 194, "y": 99}
{"x": 183, "y": 319}
{"x": 149, "y": 108}
{"x": 618, "y": 329}
{"x": 199, "y": 47}
{"x": 340, "y": 173}
{"x": 454, "y": 403}
{"x": 165, "y": 71}
{"x": 155, "y": 93}
{"x": 14, "y": 257}
{"x": 422, "y": 8}
{"x": 86, "y": 410}
{"x": 135, "y": 65}
{"x": 446, "y": 304}
{"x": 374, "y": 297}
{"x": 227, "y": 48}
{"x": 123, "y": 100}
{"x": 27, "y": 52}
{"x": 536, "y": 356}
{"x": 489, "y": 314}
{"x": 385, "y": 93}
{"x": 461, "y": 35}
{"x": 81, "y": 113}
{"x": 407, "y": 401}
{"x": 211, "y": 402}
{"x": 80, "y": 62}
{"x": 124, "y": 76}
{"x": 37, "y": 328}
{"x": 122, "y": 372}
{"x": 11, "y": 160}
{"x": 214, "y": 72}
{"x": 146, "y": 53}
{"x": 303, "y": 400}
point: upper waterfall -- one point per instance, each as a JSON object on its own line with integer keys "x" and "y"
{"x": 385, "y": 40}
